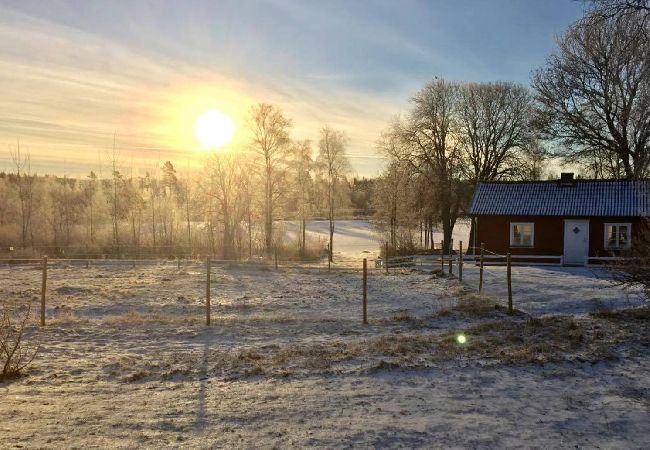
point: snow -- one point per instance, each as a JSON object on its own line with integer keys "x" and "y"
{"x": 550, "y": 290}
{"x": 127, "y": 360}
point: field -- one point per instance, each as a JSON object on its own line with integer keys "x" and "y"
{"x": 126, "y": 360}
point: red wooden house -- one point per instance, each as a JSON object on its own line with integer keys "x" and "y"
{"x": 570, "y": 219}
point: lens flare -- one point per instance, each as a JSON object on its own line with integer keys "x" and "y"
{"x": 461, "y": 339}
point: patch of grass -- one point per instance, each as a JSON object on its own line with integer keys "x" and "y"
{"x": 642, "y": 314}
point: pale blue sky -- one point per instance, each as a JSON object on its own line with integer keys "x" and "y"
{"x": 74, "y": 72}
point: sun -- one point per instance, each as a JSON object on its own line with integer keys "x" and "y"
{"x": 213, "y": 129}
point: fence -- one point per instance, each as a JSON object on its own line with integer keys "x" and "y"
{"x": 445, "y": 264}
{"x": 272, "y": 263}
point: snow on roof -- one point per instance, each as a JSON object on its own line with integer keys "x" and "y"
{"x": 616, "y": 198}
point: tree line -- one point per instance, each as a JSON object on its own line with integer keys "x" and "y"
{"x": 236, "y": 206}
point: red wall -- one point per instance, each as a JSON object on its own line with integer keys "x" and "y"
{"x": 494, "y": 232}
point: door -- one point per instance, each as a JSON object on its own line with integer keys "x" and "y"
{"x": 576, "y": 241}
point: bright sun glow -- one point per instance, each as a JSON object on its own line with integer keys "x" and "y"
{"x": 213, "y": 129}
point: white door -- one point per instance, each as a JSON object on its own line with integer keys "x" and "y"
{"x": 576, "y": 241}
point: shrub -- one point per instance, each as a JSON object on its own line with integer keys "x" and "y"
{"x": 15, "y": 353}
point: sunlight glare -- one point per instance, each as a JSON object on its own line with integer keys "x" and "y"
{"x": 213, "y": 129}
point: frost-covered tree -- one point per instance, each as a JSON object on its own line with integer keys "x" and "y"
{"x": 333, "y": 162}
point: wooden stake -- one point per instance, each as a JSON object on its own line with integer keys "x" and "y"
{"x": 460, "y": 262}
{"x": 207, "y": 291}
{"x": 275, "y": 250}
{"x": 365, "y": 291}
{"x": 329, "y": 258}
{"x": 480, "y": 278}
{"x": 509, "y": 284}
{"x": 442, "y": 258}
{"x": 43, "y": 288}
{"x": 451, "y": 260}
{"x": 386, "y": 258}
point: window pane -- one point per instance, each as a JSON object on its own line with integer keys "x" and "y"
{"x": 611, "y": 235}
{"x": 622, "y": 235}
{"x": 516, "y": 235}
{"x": 527, "y": 235}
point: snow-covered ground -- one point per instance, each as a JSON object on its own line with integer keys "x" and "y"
{"x": 127, "y": 361}
{"x": 357, "y": 239}
{"x": 549, "y": 290}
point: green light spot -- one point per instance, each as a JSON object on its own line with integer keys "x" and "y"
{"x": 461, "y": 339}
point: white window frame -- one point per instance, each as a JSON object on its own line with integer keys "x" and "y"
{"x": 512, "y": 234}
{"x": 628, "y": 225}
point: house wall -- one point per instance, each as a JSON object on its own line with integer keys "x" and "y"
{"x": 494, "y": 232}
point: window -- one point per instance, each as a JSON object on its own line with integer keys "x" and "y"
{"x": 522, "y": 234}
{"x": 617, "y": 235}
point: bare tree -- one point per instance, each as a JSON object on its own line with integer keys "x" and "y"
{"x": 394, "y": 203}
{"x": 427, "y": 141}
{"x": 270, "y": 131}
{"x": 225, "y": 173}
{"x": 334, "y": 163}
{"x": 593, "y": 95}
{"x": 533, "y": 162}
{"x": 494, "y": 127}
{"x": 301, "y": 166}
{"x": 615, "y": 8}
{"x": 25, "y": 186}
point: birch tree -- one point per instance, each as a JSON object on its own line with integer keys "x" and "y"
{"x": 335, "y": 164}
{"x": 270, "y": 139}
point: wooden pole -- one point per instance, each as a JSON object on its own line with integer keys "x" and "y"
{"x": 329, "y": 258}
{"x": 451, "y": 260}
{"x": 43, "y": 288}
{"x": 442, "y": 258}
{"x": 480, "y": 277}
{"x": 509, "y": 284}
{"x": 207, "y": 291}
{"x": 460, "y": 262}
{"x": 386, "y": 258}
{"x": 365, "y": 291}
{"x": 275, "y": 251}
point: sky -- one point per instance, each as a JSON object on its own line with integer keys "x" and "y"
{"x": 78, "y": 75}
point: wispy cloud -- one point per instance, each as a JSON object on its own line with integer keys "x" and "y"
{"x": 73, "y": 73}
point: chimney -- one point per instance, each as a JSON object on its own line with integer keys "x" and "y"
{"x": 566, "y": 179}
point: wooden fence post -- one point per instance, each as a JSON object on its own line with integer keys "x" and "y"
{"x": 460, "y": 262}
{"x": 365, "y": 291}
{"x": 43, "y": 288}
{"x": 451, "y": 260}
{"x": 442, "y": 258}
{"x": 275, "y": 251}
{"x": 207, "y": 291}
{"x": 386, "y": 258}
{"x": 480, "y": 277}
{"x": 509, "y": 284}
{"x": 329, "y": 259}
